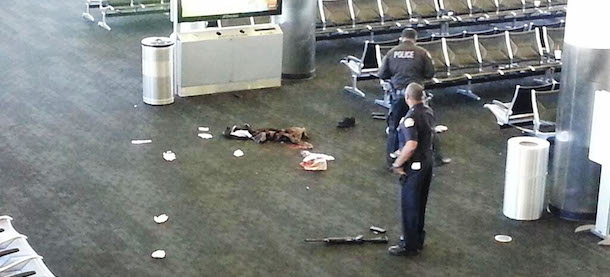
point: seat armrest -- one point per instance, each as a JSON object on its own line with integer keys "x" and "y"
{"x": 376, "y": 75}
{"x": 352, "y": 59}
{"x": 497, "y": 102}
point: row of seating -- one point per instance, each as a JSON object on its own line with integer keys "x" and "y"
{"x": 348, "y": 18}
{"x": 112, "y": 8}
{"x": 495, "y": 30}
{"x": 366, "y": 66}
{"x": 338, "y": 18}
{"x": 17, "y": 258}
{"x": 482, "y": 57}
{"x": 532, "y": 110}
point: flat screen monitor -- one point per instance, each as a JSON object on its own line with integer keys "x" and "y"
{"x": 207, "y": 10}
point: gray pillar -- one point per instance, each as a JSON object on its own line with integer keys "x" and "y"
{"x": 586, "y": 69}
{"x": 298, "y": 22}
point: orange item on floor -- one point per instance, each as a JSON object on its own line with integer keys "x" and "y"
{"x": 315, "y": 165}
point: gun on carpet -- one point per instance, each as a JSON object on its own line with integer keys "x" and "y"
{"x": 350, "y": 240}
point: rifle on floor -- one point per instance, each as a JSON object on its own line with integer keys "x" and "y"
{"x": 350, "y": 240}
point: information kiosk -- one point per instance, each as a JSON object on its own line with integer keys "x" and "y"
{"x": 220, "y": 59}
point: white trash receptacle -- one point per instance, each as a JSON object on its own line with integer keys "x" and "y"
{"x": 526, "y": 170}
{"x": 157, "y": 71}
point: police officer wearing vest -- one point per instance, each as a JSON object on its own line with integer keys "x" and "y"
{"x": 414, "y": 165}
{"x": 404, "y": 64}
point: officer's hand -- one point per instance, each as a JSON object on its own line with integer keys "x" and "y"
{"x": 399, "y": 171}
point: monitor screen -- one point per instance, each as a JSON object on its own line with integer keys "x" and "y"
{"x": 206, "y": 10}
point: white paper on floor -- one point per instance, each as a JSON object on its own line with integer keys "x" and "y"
{"x": 238, "y": 153}
{"x": 141, "y": 141}
{"x": 308, "y": 156}
{"x": 204, "y": 129}
{"x": 162, "y": 218}
{"x": 241, "y": 134}
{"x": 159, "y": 254}
{"x": 205, "y": 136}
{"x": 169, "y": 156}
{"x": 441, "y": 129}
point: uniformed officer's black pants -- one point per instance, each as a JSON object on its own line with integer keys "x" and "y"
{"x": 398, "y": 110}
{"x": 413, "y": 199}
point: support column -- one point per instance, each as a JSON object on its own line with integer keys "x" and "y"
{"x": 586, "y": 67}
{"x": 298, "y": 22}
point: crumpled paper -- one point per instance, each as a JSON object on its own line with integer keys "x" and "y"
{"x": 238, "y": 153}
{"x": 169, "y": 156}
{"x": 308, "y": 156}
{"x": 315, "y": 165}
{"x": 205, "y": 136}
{"x": 441, "y": 129}
{"x": 162, "y": 218}
{"x": 315, "y": 161}
{"x": 159, "y": 254}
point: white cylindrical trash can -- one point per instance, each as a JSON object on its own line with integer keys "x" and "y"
{"x": 157, "y": 70}
{"x": 526, "y": 170}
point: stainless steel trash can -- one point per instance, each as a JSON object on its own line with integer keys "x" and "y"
{"x": 526, "y": 170}
{"x": 157, "y": 71}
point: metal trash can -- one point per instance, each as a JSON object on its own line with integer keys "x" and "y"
{"x": 526, "y": 170}
{"x": 157, "y": 71}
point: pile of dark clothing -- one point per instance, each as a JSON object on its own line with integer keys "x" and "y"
{"x": 293, "y": 135}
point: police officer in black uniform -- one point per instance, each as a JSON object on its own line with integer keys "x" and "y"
{"x": 404, "y": 64}
{"x": 414, "y": 165}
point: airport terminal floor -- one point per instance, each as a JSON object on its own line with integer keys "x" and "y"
{"x": 71, "y": 102}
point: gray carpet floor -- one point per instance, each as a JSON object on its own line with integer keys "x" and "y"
{"x": 85, "y": 196}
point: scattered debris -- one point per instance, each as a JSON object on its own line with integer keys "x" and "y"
{"x": 315, "y": 161}
{"x": 141, "y": 141}
{"x": 135, "y": 106}
{"x": 441, "y": 129}
{"x": 169, "y": 156}
{"x": 315, "y": 165}
{"x": 347, "y": 122}
{"x": 238, "y": 153}
{"x": 241, "y": 134}
{"x": 308, "y": 156}
{"x": 160, "y": 219}
{"x": 380, "y": 117}
{"x": 159, "y": 254}
{"x": 503, "y": 238}
{"x": 294, "y": 135}
{"x": 377, "y": 229}
{"x": 204, "y": 129}
{"x": 205, "y": 136}
{"x": 307, "y": 187}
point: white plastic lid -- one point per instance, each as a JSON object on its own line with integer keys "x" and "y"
{"x": 157, "y": 42}
{"x": 503, "y": 238}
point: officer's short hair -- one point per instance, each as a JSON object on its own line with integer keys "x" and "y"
{"x": 409, "y": 33}
{"x": 415, "y": 92}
